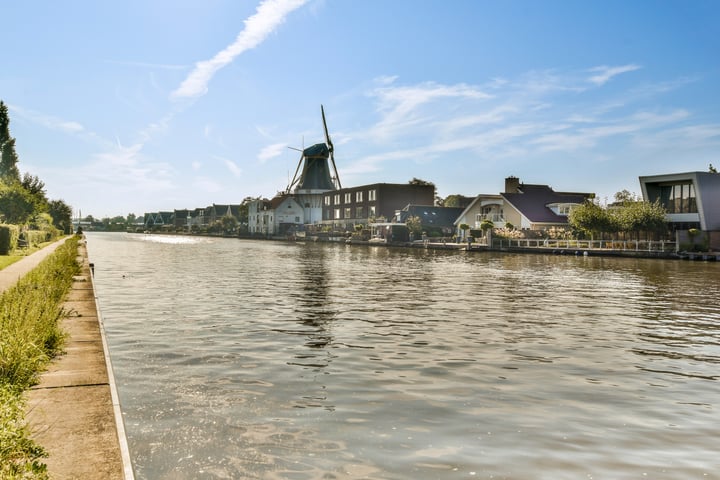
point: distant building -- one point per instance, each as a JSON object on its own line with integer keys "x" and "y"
{"x": 347, "y": 207}
{"x": 692, "y": 199}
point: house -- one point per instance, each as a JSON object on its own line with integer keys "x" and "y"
{"x": 365, "y": 204}
{"x": 159, "y": 220}
{"x": 524, "y": 206}
{"x": 215, "y": 212}
{"x": 692, "y": 199}
{"x": 435, "y": 221}
{"x": 260, "y": 217}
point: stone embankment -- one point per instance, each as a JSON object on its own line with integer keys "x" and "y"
{"x": 74, "y": 413}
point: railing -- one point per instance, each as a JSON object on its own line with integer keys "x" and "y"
{"x": 634, "y": 245}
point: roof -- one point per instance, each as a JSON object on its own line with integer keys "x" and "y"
{"x": 431, "y": 215}
{"x": 532, "y": 201}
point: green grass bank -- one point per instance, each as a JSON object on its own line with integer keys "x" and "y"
{"x": 30, "y": 336}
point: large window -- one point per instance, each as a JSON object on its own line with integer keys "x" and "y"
{"x": 327, "y": 200}
{"x": 371, "y": 195}
{"x": 359, "y": 196}
{"x": 348, "y": 213}
{"x": 337, "y": 214}
{"x": 337, "y": 199}
{"x": 371, "y": 211}
{"x": 678, "y": 198}
{"x": 348, "y": 197}
{"x": 359, "y": 212}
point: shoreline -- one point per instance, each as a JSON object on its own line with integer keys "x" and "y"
{"x": 73, "y": 412}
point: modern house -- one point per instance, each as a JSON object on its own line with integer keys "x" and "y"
{"x": 435, "y": 221}
{"x": 365, "y": 204}
{"x": 524, "y": 206}
{"x": 692, "y": 199}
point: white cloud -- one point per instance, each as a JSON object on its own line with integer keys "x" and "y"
{"x": 232, "y": 166}
{"x": 48, "y": 121}
{"x": 271, "y": 151}
{"x": 606, "y": 73}
{"x": 269, "y": 15}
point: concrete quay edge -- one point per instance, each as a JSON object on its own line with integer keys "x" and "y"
{"x": 74, "y": 411}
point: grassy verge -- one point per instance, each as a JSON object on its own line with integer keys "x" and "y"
{"x": 20, "y": 253}
{"x": 30, "y": 335}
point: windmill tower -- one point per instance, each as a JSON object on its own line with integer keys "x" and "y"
{"x": 313, "y": 176}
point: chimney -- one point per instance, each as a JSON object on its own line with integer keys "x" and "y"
{"x": 512, "y": 184}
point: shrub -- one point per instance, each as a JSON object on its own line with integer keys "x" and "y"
{"x": 9, "y": 235}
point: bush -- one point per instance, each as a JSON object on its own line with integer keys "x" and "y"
{"x": 9, "y": 235}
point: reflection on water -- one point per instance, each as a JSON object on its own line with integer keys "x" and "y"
{"x": 242, "y": 359}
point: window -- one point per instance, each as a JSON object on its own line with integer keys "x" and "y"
{"x": 678, "y": 198}
{"x": 327, "y": 200}
{"x": 337, "y": 199}
{"x": 359, "y": 212}
{"x": 337, "y": 214}
{"x": 371, "y": 195}
{"x": 371, "y": 211}
{"x": 348, "y": 197}
{"x": 348, "y": 213}
{"x": 359, "y": 196}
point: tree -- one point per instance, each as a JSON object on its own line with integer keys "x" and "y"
{"x": 464, "y": 227}
{"x": 61, "y": 214}
{"x": 8, "y": 157}
{"x": 36, "y": 188}
{"x": 414, "y": 225}
{"x": 16, "y": 204}
{"x": 452, "y": 200}
{"x": 624, "y": 197}
{"x": 228, "y": 223}
{"x": 591, "y": 218}
{"x": 639, "y": 217}
{"x": 712, "y": 169}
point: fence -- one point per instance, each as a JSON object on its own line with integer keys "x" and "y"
{"x": 634, "y": 245}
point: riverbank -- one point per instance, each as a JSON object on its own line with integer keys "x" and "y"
{"x": 73, "y": 412}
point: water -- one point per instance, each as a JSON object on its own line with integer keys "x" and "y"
{"x": 248, "y": 359}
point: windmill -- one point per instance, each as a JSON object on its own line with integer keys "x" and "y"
{"x": 316, "y": 174}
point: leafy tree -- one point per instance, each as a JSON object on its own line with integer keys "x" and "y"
{"x": 16, "y": 204}
{"x": 414, "y": 224}
{"x": 625, "y": 196}
{"x": 61, "y": 214}
{"x": 452, "y": 201}
{"x": 464, "y": 227}
{"x": 712, "y": 169}
{"x": 36, "y": 188}
{"x": 639, "y": 217}
{"x": 8, "y": 157}
{"x": 228, "y": 223}
{"x": 590, "y": 218}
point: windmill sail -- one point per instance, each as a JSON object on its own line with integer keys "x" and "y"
{"x": 316, "y": 173}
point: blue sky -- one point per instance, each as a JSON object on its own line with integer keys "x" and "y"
{"x": 135, "y": 106}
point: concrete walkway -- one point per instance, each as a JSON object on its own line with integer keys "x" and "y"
{"x": 73, "y": 412}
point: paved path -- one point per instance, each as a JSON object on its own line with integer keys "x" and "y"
{"x": 11, "y": 274}
{"x": 72, "y": 411}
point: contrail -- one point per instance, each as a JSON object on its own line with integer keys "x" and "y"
{"x": 268, "y": 16}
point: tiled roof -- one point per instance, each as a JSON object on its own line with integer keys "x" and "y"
{"x": 532, "y": 201}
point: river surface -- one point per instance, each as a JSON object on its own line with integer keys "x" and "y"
{"x": 271, "y": 360}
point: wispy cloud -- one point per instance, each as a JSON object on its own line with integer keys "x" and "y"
{"x": 604, "y": 73}
{"x": 269, "y": 15}
{"x": 159, "y": 66}
{"x": 271, "y": 151}
{"x": 47, "y": 121}
{"x": 232, "y": 166}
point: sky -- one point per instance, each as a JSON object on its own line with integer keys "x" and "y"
{"x": 149, "y": 105}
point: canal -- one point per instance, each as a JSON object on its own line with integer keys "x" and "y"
{"x": 252, "y": 359}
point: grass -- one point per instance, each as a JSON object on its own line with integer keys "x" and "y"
{"x": 30, "y": 336}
